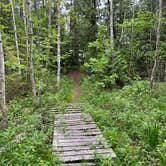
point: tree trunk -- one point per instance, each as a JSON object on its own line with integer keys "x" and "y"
{"x": 31, "y": 67}
{"x": 122, "y": 31}
{"x": 111, "y": 24}
{"x": 132, "y": 43}
{"x": 49, "y": 31}
{"x": 15, "y": 34}
{"x": 157, "y": 45}
{"x": 58, "y": 45}
{"x": 25, "y": 27}
{"x": 38, "y": 27}
{"x": 3, "y": 108}
{"x": 93, "y": 20}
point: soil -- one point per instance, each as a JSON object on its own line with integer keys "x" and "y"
{"x": 76, "y": 77}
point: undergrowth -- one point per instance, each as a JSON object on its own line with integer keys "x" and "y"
{"x": 28, "y": 138}
{"x": 132, "y": 119}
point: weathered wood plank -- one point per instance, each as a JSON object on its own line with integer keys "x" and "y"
{"x": 79, "y": 140}
{"x": 83, "y": 152}
{"x": 81, "y": 132}
{"x": 71, "y": 120}
{"x": 77, "y": 148}
{"x": 72, "y": 115}
{"x": 59, "y": 112}
{"x": 77, "y": 133}
{"x": 82, "y": 143}
{"x": 96, "y": 133}
{"x": 63, "y": 119}
{"x": 84, "y": 157}
{"x": 72, "y": 123}
{"x": 71, "y": 109}
{"x": 77, "y": 137}
{"x": 80, "y": 127}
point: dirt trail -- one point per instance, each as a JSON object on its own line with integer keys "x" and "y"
{"x": 76, "y": 76}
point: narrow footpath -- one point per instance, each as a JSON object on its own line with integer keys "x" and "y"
{"x": 76, "y": 77}
{"x": 77, "y": 138}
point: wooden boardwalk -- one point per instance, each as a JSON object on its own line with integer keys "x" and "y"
{"x": 77, "y": 137}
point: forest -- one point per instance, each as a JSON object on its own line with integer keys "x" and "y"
{"x": 107, "y": 55}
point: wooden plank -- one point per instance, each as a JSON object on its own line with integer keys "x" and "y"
{"x": 77, "y": 148}
{"x": 82, "y": 118}
{"x": 80, "y": 127}
{"x": 77, "y": 133}
{"x": 81, "y": 143}
{"x": 82, "y": 115}
{"x": 77, "y": 136}
{"x": 83, "y": 152}
{"x": 63, "y": 119}
{"x": 78, "y": 140}
{"x": 71, "y": 123}
{"x": 74, "y": 111}
{"x": 68, "y": 117}
{"x": 55, "y": 140}
{"x": 65, "y": 112}
{"x": 68, "y": 131}
{"x": 75, "y": 108}
{"x": 72, "y": 114}
{"x": 77, "y": 158}
{"x": 72, "y": 120}
{"x": 83, "y": 157}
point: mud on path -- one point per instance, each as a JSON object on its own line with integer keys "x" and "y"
{"x": 76, "y": 77}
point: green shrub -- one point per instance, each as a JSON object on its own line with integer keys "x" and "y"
{"x": 132, "y": 119}
{"x": 34, "y": 126}
{"x": 15, "y": 86}
{"x": 152, "y": 134}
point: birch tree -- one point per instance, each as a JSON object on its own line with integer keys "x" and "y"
{"x": 49, "y": 30}
{"x": 49, "y": 20}
{"x": 31, "y": 67}
{"x": 3, "y": 108}
{"x": 25, "y": 27}
{"x": 132, "y": 37}
{"x": 58, "y": 45}
{"x": 110, "y": 2}
{"x": 15, "y": 35}
{"x": 156, "y": 60}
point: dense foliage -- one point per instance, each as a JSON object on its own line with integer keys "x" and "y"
{"x": 28, "y": 139}
{"x": 132, "y": 119}
{"x": 119, "y": 45}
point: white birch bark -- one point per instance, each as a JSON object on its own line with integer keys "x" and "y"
{"x": 3, "y": 108}
{"x": 58, "y": 46}
{"x": 31, "y": 67}
{"x": 15, "y": 35}
{"x": 121, "y": 40}
{"x": 132, "y": 40}
{"x": 111, "y": 24}
{"x": 157, "y": 45}
{"x": 49, "y": 30}
{"x": 25, "y": 27}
